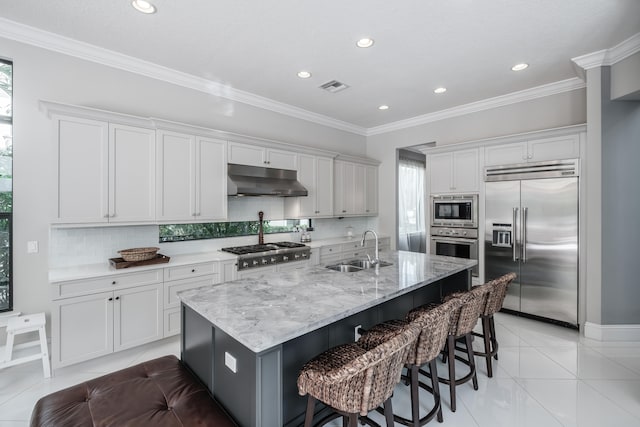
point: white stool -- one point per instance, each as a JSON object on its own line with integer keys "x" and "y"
{"x": 22, "y": 325}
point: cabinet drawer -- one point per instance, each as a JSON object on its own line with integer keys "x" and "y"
{"x": 330, "y": 250}
{"x": 105, "y": 283}
{"x": 351, "y": 246}
{"x": 191, "y": 270}
{"x": 172, "y": 288}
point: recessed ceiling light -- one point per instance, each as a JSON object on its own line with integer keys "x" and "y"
{"x": 383, "y": 107}
{"x": 519, "y": 67}
{"x": 143, "y": 6}
{"x": 440, "y": 90}
{"x": 304, "y": 74}
{"x": 366, "y": 42}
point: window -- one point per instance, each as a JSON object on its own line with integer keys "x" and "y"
{"x": 216, "y": 230}
{"x": 411, "y": 213}
{"x": 6, "y": 183}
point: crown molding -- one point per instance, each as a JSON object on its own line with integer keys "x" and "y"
{"x": 486, "y": 104}
{"x": 57, "y": 43}
{"x": 607, "y": 57}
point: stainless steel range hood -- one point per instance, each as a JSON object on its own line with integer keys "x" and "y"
{"x": 257, "y": 181}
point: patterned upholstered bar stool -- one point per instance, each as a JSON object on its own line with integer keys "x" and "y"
{"x": 434, "y": 323}
{"x": 463, "y": 321}
{"x": 494, "y": 303}
{"x": 353, "y": 381}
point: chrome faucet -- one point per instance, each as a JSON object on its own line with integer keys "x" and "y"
{"x": 377, "y": 258}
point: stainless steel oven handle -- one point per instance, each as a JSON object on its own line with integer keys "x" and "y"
{"x": 454, "y": 240}
{"x": 514, "y": 241}
{"x": 524, "y": 234}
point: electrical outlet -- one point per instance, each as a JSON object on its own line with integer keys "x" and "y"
{"x": 356, "y": 333}
{"x": 32, "y": 247}
{"x": 230, "y": 362}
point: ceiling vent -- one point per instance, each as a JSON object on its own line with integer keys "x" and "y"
{"x": 334, "y": 86}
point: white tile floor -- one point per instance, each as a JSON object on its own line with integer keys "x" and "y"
{"x": 546, "y": 376}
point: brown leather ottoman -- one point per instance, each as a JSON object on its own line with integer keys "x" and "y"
{"x": 160, "y": 392}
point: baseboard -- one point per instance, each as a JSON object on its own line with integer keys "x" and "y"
{"x": 612, "y": 332}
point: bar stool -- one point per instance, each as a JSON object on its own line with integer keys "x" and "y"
{"x": 463, "y": 321}
{"x": 22, "y": 325}
{"x": 353, "y": 381}
{"x": 494, "y": 303}
{"x": 434, "y": 323}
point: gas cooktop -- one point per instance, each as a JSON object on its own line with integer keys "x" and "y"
{"x": 253, "y": 249}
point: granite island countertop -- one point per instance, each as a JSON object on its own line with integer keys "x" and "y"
{"x": 269, "y": 309}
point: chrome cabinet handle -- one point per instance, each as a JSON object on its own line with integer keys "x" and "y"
{"x": 514, "y": 241}
{"x": 524, "y": 234}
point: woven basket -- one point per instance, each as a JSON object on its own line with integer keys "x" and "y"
{"x": 138, "y": 254}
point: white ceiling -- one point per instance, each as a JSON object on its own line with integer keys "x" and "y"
{"x": 258, "y": 46}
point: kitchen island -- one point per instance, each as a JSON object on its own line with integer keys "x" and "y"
{"x": 247, "y": 339}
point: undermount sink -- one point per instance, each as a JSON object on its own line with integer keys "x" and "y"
{"x": 365, "y": 263}
{"x": 356, "y": 265}
{"x": 344, "y": 268}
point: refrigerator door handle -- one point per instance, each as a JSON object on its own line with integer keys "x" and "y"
{"x": 514, "y": 242}
{"x": 524, "y": 234}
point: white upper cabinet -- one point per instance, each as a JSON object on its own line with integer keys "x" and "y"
{"x": 355, "y": 189}
{"x": 192, "y": 178}
{"x": 253, "y": 155}
{"x": 371, "y": 190}
{"x": 554, "y": 148}
{"x": 316, "y": 175}
{"x": 454, "y": 172}
{"x": 132, "y": 173}
{"x": 105, "y": 172}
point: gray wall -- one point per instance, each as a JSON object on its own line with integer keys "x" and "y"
{"x": 40, "y": 74}
{"x": 620, "y": 208}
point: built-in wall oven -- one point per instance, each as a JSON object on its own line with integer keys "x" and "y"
{"x": 454, "y": 226}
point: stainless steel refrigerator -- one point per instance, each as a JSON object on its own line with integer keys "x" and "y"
{"x": 531, "y": 228}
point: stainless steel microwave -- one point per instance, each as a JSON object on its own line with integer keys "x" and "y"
{"x": 455, "y": 210}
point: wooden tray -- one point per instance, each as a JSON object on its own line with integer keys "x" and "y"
{"x": 119, "y": 263}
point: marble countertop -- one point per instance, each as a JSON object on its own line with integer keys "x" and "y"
{"x": 88, "y": 271}
{"x": 269, "y": 309}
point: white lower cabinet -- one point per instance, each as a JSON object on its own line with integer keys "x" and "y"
{"x": 89, "y": 326}
{"x": 172, "y": 323}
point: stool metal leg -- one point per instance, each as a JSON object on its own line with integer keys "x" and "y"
{"x": 451, "y": 344}
{"x": 311, "y": 405}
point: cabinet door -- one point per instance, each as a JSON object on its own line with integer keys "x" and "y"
{"x": 505, "y": 154}
{"x": 440, "y": 172}
{"x": 342, "y": 188}
{"x": 307, "y": 174}
{"x": 137, "y": 317}
{"x": 371, "y": 190}
{"x": 172, "y": 288}
{"x": 82, "y": 328}
{"x": 83, "y": 153}
{"x": 175, "y": 172}
{"x": 324, "y": 187}
{"x": 565, "y": 147}
{"x": 244, "y": 154}
{"x": 359, "y": 190}
{"x": 211, "y": 180}
{"x": 132, "y": 172}
{"x": 465, "y": 171}
{"x": 281, "y": 159}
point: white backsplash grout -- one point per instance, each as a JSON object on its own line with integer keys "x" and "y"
{"x": 70, "y": 247}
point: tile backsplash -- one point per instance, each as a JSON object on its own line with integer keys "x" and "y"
{"x": 78, "y": 246}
